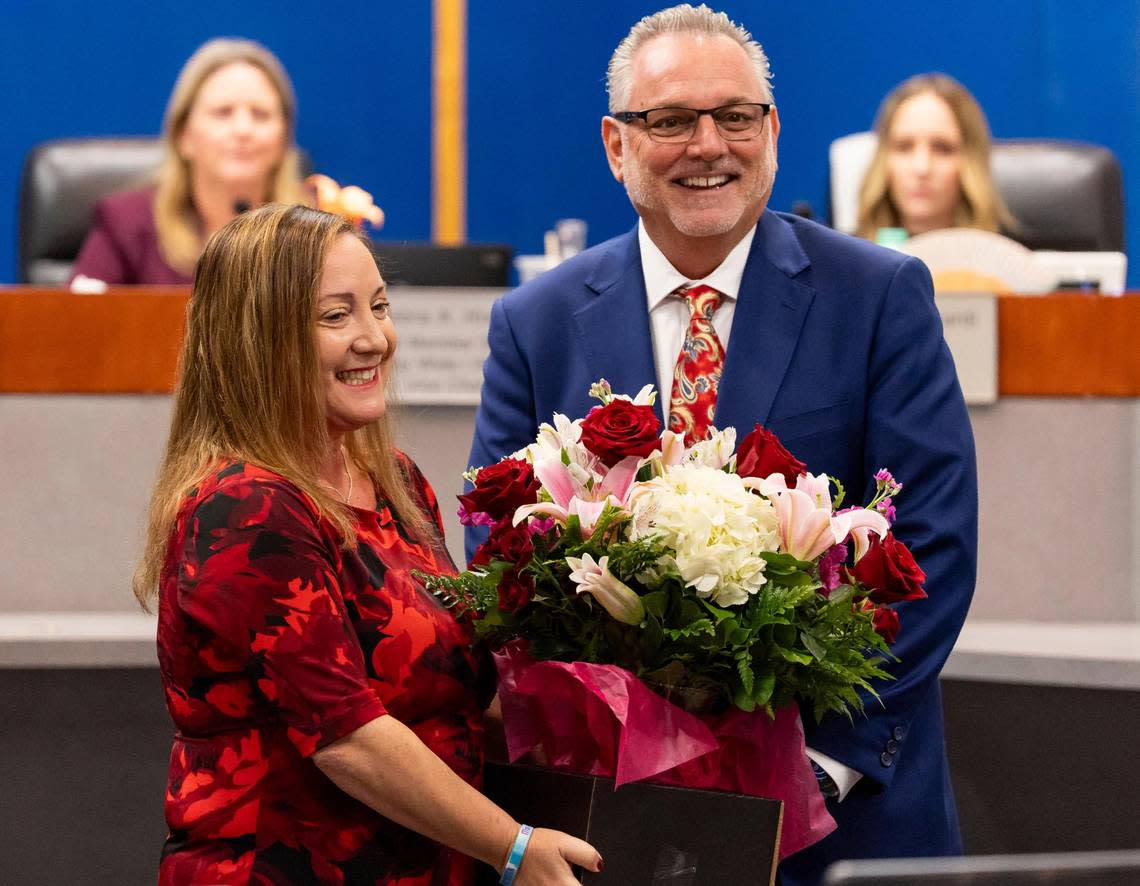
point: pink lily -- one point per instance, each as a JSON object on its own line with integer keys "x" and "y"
{"x": 860, "y": 523}
{"x": 584, "y": 499}
{"x": 807, "y": 526}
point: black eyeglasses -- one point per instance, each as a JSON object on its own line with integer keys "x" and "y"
{"x": 735, "y": 123}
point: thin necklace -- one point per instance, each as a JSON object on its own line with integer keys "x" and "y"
{"x": 348, "y": 495}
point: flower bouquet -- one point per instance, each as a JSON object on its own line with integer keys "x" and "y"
{"x": 661, "y": 610}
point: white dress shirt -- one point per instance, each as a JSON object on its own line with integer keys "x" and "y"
{"x": 668, "y": 323}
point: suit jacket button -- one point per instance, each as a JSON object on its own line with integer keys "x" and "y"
{"x": 886, "y": 759}
{"x": 892, "y": 746}
{"x": 898, "y": 733}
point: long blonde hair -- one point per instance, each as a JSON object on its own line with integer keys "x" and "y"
{"x": 249, "y": 387}
{"x": 980, "y": 205}
{"x": 179, "y": 233}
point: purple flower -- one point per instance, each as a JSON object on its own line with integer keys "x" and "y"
{"x": 476, "y": 518}
{"x": 829, "y": 565}
{"x": 887, "y": 509}
{"x": 543, "y": 526}
{"x": 886, "y": 481}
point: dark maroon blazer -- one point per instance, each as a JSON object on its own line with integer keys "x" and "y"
{"x": 122, "y": 245}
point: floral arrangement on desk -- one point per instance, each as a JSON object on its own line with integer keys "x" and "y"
{"x": 352, "y": 202}
{"x": 727, "y": 580}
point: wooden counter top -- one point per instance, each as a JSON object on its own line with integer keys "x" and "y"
{"x": 127, "y": 341}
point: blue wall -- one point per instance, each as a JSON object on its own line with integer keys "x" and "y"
{"x": 536, "y": 93}
{"x": 362, "y": 78}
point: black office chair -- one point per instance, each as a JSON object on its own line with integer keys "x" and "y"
{"x": 61, "y": 182}
{"x": 428, "y": 264}
{"x": 1065, "y": 195}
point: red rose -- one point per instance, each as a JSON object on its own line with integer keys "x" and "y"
{"x": 889, "y": 571}
{"x": 511, "y": 544}
{"x": 620, "y": 429}
{"x": 761, "y": 454}
{"x": 886, "y": 623}
{"x": 501, "y": 488}
{"x": 515, "y": 591}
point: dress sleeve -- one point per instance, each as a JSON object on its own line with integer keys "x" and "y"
{"x": 101, "y": 256}
{"x": 258, "y": 570}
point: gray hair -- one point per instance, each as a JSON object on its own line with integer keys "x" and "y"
{"x": 679, "y": 19}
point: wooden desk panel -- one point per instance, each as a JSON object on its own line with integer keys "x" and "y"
{"x": 127, "y": 341}
{"x": 1068, "y": 344}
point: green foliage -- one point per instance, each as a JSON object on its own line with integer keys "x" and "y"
{"x": 789, "y": 642}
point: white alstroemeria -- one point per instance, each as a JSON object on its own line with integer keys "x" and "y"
{"x": 601, "y": 390}
{"x": 617, "y": 598}
{"x": 552, "y": 439}
{"x": 647, "y": 396}
{"x": 715, "y": 526}
{"x": 716, "y": 451}
{"x": 563, "y": 432}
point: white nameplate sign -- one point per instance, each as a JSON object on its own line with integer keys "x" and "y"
{"x": 969, "y": 323}
{"x": 441, "y": 343}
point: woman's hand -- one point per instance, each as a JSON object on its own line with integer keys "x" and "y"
{"x": 549, "y": 856}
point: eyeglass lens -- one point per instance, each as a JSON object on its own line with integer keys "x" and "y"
{"x": 735, "y": 122}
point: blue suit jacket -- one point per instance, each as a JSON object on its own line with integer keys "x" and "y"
{"x": 837, "y": 347}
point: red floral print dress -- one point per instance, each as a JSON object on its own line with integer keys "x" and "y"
{"x": 273, "y": 641}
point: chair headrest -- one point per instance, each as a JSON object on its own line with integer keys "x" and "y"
{"x": 1065, "y": 195}
{"x": 62, "y": 180}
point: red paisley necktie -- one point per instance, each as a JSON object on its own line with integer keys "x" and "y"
{"x": 697, "y": 375}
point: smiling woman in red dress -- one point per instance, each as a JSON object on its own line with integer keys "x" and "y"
{"x": 327, "y": 706}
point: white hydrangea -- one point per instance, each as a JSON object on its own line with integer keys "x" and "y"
{"x": 715, "y": 526}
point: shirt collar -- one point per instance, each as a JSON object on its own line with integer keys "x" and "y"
{"x": 661, "y": 278}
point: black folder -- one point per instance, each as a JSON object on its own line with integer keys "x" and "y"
{"x": 647, "y": 833}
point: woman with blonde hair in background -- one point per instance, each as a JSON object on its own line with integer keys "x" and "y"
{"x": 327, "y": 706}
{"x": 227, "y": 145}
{"x": 931, "y": 168}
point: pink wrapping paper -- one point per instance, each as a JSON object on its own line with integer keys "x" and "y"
{"x": 601, "y": 720}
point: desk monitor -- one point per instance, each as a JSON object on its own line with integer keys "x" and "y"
{"x": 428, "y": 264}
{"x": 1095, "y": 271}
{"x": 1116, "y": 868}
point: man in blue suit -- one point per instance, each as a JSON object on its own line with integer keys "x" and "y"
{"x": 833, "y": 343}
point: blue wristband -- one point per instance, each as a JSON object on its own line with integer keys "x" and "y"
{"x": 516, "y": 856}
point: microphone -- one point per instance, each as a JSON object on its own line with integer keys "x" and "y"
{"x": 803, "y": 209}
{"x": 241, "y": 206}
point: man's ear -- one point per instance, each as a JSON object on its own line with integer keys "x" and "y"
{"x": 611, "y": 139}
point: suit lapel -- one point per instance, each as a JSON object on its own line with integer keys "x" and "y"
{"x": 613, "y": 327}
{"x": 766, "y": 326}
